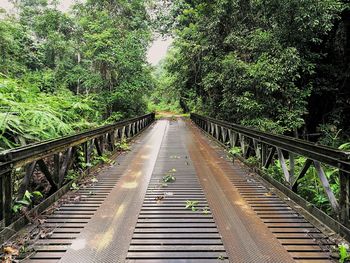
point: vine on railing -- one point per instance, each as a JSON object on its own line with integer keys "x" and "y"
{"x": 57, "y": 161}
{"x": 264, "y": 149}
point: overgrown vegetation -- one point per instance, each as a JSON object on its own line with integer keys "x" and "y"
{"x": 26, "y": 201}
{"x": 343, "y": 252}
{"x": 164, "y": 97}
{"x": 309, "y": 186}
{"x": 280, "y": 66}
{"x": 65, "y": 72}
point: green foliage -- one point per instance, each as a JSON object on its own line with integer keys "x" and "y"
{"x": 343, "y": 252}
{"x": 235, "y": 151}
{"x": 169, "y": 178}
{"x": 74, "y": 186}
{"x": 165, "y": 96}
{"x": 26, "y": 201}
{"x": 100, "y": 159}
{"x": 344, "y": 146}
{"x": 206, "y": 211}
{"x": 252, "y": 160}
{"x": 250, "y": 62}
{"x": 65, "y": 72}
{"x": 310, "y": 186}
{"x": 72, "y": 175}
{"x": 191, "y": 205}
{"x": 163, "y": 106}
{"x": 123, "y": 145}
{"x": 221, "y": 257}
{"x": 28, "y": 115}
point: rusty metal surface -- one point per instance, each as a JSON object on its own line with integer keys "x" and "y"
{"x": 303, "y": 241}
{"x": 246, "y": 237}
{"x": 167, "y": 231}
{"x": 69, "y": 221}
{"x": 107, "y": 236}
{"x": 324, "y": 154}
{"x": 133, "y": 216}
{"x": 300, "y": 238}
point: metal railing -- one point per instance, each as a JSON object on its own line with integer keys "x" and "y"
{"x": 54, "y": 158}
{"x": 267, "y": 148}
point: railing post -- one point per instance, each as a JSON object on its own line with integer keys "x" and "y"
{"x": 263, "y": 154}
{"x": 327, "y": 188}
{"x": 134, "y": 130}
{"x": 283, "y": 165}
{"x": 6, "y": 202}
{"x": 86, "y": 152}
{"x": 344, "y": 180}
{"x": 56, "y": 168}
{"x": 1, "y": 200}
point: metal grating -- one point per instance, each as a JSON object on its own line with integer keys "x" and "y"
{"x": 69, "y": 220}
{"x": 301, "y": 239}
{"x": 166, "y": 231}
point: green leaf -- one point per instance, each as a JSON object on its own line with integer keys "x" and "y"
{"x": 37, "y": 194}
{"x": 343, "y": 252}
{"x": 28, "y": 195}
{"x": 74, "y": 186}
{"x": 24, "y": 202}
{"x": 17, "y": 207}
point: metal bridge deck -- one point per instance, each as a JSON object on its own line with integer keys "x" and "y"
{"x": 132, "y": 215}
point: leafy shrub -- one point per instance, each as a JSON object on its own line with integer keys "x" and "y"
{"x": 29, "y": 115}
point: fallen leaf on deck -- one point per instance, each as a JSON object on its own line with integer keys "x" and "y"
{"x": 94, "y": 180}
{"x": 159, "y": 198}
{"x": 41, "y": 221}
{"x": 11, "y": 251}
{"x": 77, "y": 198}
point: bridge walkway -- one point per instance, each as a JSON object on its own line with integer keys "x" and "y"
{"x": 175, "y": 197}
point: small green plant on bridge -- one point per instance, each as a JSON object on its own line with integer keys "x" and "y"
{"x": 191, "y": 205}
{"x": 221, "y": 257}
{"x": 101, "y": 159}
{"x": 206, "y": 210}
{"x": 169, "y": 178}
{"x": 74, "y": 186}
{"x": 72, "y": 175}
{"x": 252, "y": 160}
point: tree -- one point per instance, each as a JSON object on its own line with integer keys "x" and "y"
{"x": 250, "y": 62}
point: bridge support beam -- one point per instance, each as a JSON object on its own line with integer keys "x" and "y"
{"x": 344, "y": 199}
{"x": 6, "y": 199}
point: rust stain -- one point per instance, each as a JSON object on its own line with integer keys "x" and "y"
{"x": 246, "y": 237}
{"x": 107, "y": 235}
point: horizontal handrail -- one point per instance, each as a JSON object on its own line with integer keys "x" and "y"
{"x": 326, "y": 155}
{"x": 55, "y": 158}
{"x": 18, "y": 156}
{"x": 267, "y": 148}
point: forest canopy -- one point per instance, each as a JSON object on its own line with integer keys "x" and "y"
{"x": 277, "y": 65}
{"x": 65, "y": 72}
